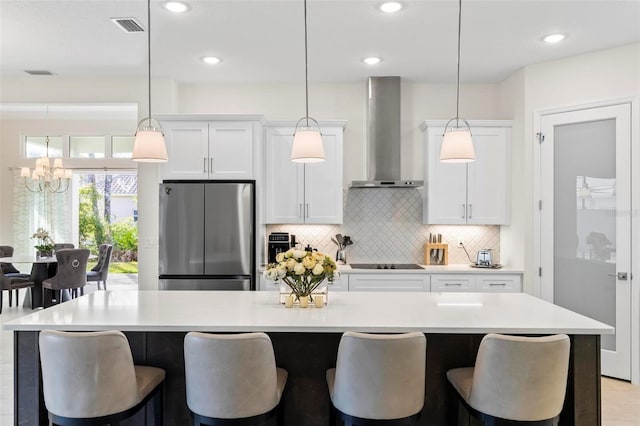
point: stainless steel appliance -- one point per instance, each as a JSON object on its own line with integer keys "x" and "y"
{"x": 385, "y": 266}
{"x": 484, "y": 258}
{"x": 278, "y": 242}
{"x": 207, "y": 235}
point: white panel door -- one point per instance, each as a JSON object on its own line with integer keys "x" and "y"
{"x": 231, "y": 150}
{"x": 284, "y": 179}
{"x": 323, "y": 182}
{"x": 187, "y": 148}
{"x": 446, "y": 185}
{"x": 585, "y": 221}
{"x": 487, "y": 178}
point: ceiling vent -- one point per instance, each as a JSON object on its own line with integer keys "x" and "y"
{"x": 128, "y": 25}
{"x": 38, "y": 72}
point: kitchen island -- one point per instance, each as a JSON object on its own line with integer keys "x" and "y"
{"x": 306, "y": 340}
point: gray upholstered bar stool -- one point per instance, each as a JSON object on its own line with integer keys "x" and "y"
{"x": 232, "y": 379}
{"x": 378, "y": 379}
{"x": 515, "y": 380}
{"x": 90, "y": 379}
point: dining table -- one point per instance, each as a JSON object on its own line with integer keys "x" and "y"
{"x": 41, "y": 269}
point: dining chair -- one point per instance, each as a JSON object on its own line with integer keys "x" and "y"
{"x": 14, "y": 283}
{"x": 89, "y": 378}
{"x": 8, "y": 269}
{"x": 71, "y": 272}
{"x": 100, "y": 272}
{"x": 379, "y": 379}
{"x": 515, "y": 380}
{"x": 60, "y": 246}
{"x": 232, "y": 379}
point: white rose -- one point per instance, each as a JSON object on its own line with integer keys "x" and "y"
{"x": 280, "y": 257}
{"x": 299, "y": 254}
{"x": 318, "y": 269}
{"x": 281, "y": 271}
{"x": 299, "y": 269}
{"x": 291, "y": 263}
{"x": 270, "y": 274}
{"x": 288, "y": 253}
{"x": 308, "y": 262}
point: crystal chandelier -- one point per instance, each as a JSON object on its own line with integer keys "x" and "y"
{"x": 44, "y": 178}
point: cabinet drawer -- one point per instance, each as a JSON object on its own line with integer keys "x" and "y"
{"x": 499, "y": 283}
{"x": 388, "y": 282}
{"x": 452, "y": 282}
{"x": 340, "y": 284}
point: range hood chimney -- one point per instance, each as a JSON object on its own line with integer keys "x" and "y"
{"x": 383, "y": 136}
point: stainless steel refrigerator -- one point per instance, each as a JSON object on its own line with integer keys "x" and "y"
{"x": 207, "y": 235}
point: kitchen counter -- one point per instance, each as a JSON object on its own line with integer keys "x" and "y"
{"x": 306, "y": 340}
{"x": 462, "y": 268}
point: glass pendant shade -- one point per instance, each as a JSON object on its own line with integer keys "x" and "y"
{"x": 307, "y": 147}
{"x": 457, "y": 147}
{"x": 149, "y": 146}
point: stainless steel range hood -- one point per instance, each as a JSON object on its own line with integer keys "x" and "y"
{"x": 383, "y": 136}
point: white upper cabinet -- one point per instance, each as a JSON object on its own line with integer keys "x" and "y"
{"x": 472, "y": 193}
{"x": 206, "y": 148}
{"x": 303, "y": 193}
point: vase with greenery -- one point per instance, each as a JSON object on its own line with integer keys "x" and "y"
{"x": 302, "y": 271}
{"x": 44, "y": 244}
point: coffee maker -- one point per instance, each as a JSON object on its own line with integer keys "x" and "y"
{"x": 277, "y": 242}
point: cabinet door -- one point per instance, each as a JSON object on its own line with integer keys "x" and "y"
{"x": 488, "y": 184}
{"x": 284, "y": 179}
{"x": 452, "y": 282}
{"x": 231, "y": 150}
{"x": 498, "y": 283}
{"x": 187, "y": 148}
{"x": 340, "y": 284}
{"x": 446, "y": 192}
{"x": 323, "y": 182}
{"x": 388, "y": 282}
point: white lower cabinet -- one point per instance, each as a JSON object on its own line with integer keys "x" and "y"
{"x": 388, "y": 282}
{"x": 498, "y": 283}
{"x": 339, "y": 284}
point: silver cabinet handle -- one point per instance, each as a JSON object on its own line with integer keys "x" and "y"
{"x": 464, "y": 211}
{"x": 211, "y": 165}
{"x": 307, "y": 212}
{"x": 619, "y": 275}
{"x": 452, "y": 284}
{"x": 470, "y": 205}
{"x": 497, "y": 284}
{"x": 204, "y": 165}
{"x": 300, "y": 210}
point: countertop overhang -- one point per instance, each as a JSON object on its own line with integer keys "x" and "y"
{"x": 222, "y": 311}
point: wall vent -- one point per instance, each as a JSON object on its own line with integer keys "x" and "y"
{"x": 128, "y": 25}
{"x": 38, "y": 72}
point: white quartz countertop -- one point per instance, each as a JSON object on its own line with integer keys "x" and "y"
{"x": 432, "y": 269}
{"x": 220, "y": 311}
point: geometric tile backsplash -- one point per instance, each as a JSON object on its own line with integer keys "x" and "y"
{"x": 385, "y": 226}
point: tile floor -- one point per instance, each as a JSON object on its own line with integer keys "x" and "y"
{"x": 620, "y": 400}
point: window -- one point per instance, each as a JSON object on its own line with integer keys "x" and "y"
{"x": 36, "y": 146}
{"x": 122, "y": 146}
{"x": 86, "y": 146}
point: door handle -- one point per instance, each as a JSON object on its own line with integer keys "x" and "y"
{"x": 300, "y": 210}
{"x": 211, "y": 165}
{"x": 470, "y": 205}
{"x": 464, "y": 211}
{"x": 452, "y": 284}
{"x": 619, "y": 275}
{"x": 497, "y": 284}
{"x": 307, "y": 210}
{"x": 204, "y": 165}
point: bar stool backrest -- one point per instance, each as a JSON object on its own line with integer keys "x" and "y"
{"x": 87, "y": 374}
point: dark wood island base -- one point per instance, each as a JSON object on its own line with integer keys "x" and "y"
{"x": 307, "y": 356}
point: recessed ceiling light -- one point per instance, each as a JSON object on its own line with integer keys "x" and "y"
{"x": 211, "y": 60}
{"x": 554, "y": 38}
{"x": 391, "y": 6}
{"x": 176, "y": 6}
{"x": 372, "y": 60}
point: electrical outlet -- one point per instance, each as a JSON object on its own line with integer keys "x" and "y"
{"x": 460, "y": 242}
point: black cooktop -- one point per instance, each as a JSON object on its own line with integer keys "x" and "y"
{"x": 385, "y": 266}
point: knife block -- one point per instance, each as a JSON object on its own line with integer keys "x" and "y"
{"x": 431, "y": 249}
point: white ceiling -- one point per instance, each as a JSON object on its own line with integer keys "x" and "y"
{"x": 262, "y": 40}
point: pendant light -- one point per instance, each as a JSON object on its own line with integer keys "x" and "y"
{"x": 149, "y": 144}
{"x": 457, "y": 146}
{"x": 307, "y": 140}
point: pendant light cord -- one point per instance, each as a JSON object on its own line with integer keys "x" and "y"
{"x": 149, "y": 55}
{"x": 458, "y": 83}
{"x": 306, "y": 66}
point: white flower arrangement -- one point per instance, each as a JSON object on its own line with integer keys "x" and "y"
{"x": 303, "y": 271}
